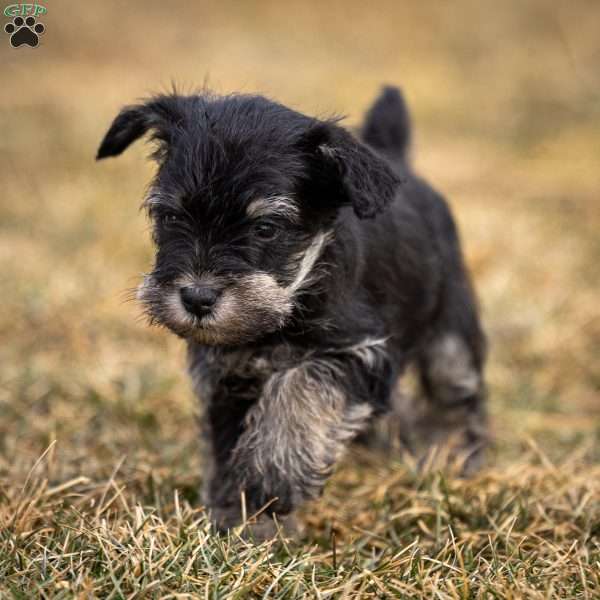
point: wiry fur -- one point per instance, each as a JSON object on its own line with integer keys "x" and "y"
{"x": 277, "y": 205}
{"x": 295, "y": 433}
{"x": 329, "y": 267}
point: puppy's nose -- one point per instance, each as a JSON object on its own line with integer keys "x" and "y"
{"x": 199, "y": 300}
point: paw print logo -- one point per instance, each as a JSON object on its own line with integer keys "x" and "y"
{"x": 24, "y": 32}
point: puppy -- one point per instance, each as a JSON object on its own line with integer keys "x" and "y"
{"x": 305, "y": 269}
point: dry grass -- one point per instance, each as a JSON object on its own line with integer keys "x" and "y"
{"x": 98, "y": 455}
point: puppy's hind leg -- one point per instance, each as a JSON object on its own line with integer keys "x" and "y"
{"x": 451, "y": 373}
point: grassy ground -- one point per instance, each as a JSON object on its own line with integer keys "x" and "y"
{"x": 99, "y": 465}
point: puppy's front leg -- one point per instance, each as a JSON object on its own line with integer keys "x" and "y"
{"x": 298, "y": 429}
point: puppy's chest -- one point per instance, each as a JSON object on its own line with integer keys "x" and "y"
{"x": 243, "y": 371}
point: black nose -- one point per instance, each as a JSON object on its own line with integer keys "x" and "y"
{"x": 199, "y": 300}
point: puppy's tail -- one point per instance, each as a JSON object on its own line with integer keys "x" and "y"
{"x": 387, "y": 125}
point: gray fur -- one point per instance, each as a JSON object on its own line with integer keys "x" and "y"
{"x": 300, "y": 426}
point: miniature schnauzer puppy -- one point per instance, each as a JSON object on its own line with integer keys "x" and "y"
{"x": 306, "y": 269}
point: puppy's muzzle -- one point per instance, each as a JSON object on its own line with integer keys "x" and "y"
{"x": 199, "y": 300}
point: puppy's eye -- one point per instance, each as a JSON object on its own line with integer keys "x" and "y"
{"x": 169, "y": 219}
{"x": 266, "y": 231}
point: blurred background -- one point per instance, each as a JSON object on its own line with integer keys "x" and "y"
{"x": 505, "y": 99}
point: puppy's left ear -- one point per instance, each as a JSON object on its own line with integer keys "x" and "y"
{"x": 352, "y": 171}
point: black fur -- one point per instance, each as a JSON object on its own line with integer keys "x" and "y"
{"x": 387, "y": 125}
{"x": 334, "y": 266}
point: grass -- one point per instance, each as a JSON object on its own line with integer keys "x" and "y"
{"x": 528, "y": 530}
{"x": 99, "y": 461}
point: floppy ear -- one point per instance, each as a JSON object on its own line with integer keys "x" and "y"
{"x": 129, "y": 125}
{"x": 354, "y": 172}
{"x": 134, "y": 121}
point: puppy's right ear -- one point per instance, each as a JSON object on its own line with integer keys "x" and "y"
{"x": 129, "y": 125}
{"x": 157, "y": 114}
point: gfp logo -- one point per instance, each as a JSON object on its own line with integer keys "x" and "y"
{"x": 24, "y": 30}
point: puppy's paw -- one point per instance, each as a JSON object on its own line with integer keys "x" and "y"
{"x": 251, "y": 495}
{"x": 256, "y": 528}
{"x": 269, "y": 494}
{"x": 225, "y": 518}
{"x": 266, "y": 527}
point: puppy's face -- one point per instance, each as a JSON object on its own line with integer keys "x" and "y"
{"x": 229, "y": 270}
{"x": 242, "y": 209}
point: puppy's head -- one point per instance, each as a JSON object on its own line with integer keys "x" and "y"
{"x": 243, "y": 206}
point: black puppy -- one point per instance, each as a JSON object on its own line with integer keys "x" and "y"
{"x": 306, "y": 270}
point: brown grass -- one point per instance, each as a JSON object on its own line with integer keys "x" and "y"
{"x": 98, "y": 455}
